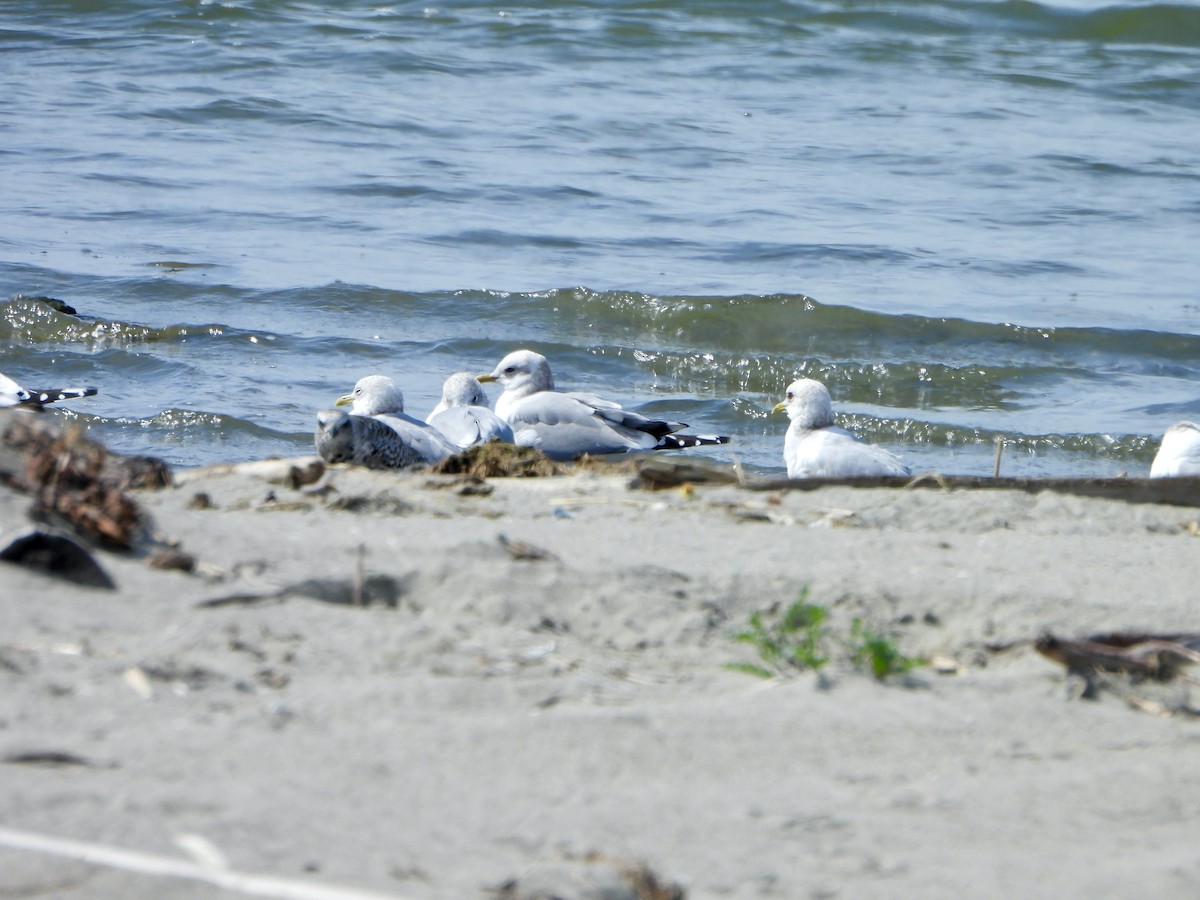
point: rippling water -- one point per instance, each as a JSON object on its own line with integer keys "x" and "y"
{"x": 969, "y": 219}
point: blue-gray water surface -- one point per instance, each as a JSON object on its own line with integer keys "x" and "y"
{"x": 970, "y": 219}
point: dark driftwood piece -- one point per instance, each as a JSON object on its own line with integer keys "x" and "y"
{"x": 58, "y": 556}
{"x": 656, "y": 474}
{"x": 1158, "y": 656}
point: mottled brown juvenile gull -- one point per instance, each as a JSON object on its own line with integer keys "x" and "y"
{"x": 12, "y": 394}
{"x": 463, "y": 414}
{"x": 376, "y": 432}
{"x": 816, "y": 448}
{"x": 1179, "y": 452}
{"x": 564, "y": 426}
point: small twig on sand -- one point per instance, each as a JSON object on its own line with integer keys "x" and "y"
{"x": 738, "y": 471}
{"x": 999, "y": 453}
{"x": 167, "y": 867}
{"x": 360, "y": 575}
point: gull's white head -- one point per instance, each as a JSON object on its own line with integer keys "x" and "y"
{"x": 522, "y": 372}
{"x": 463, "y": 389}
{"x": 374, "y": 395}
{"x": 11, "y": 393}
{"x": 807, "y": 402}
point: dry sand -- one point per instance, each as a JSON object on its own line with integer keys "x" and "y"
{"x": 481, "y": 719}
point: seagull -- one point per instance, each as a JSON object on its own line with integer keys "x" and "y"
{"x": 376, "y": 432}
{"x": 816, "y": 448}
{"x": 1179, "y": 452}
{"x": 463, "y": 414}
{"x": 374, "y": 395}
{"x": 13, "y": 395}
{"x": 566, "y": 425}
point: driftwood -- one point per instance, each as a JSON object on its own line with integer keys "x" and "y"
{"x": 295, "y": 472}
{"x": 1154, "y": 656}
{"x": 58, "y": 556}
{"x": 658, "y": 474}
{"x": 1143, "y": 670}
{"x": 229, "y": 881}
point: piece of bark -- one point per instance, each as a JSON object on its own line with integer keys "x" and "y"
{"x": 1159, "y": 657}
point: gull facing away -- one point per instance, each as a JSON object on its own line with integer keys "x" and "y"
{"x": 565, "y": 426}
{"x": 816, "y": 448}
{"x": 1179, "y": 452}
{"x": 13, "y": 395}
{"x": 464, "y": 416}
{"x": 376, "y": 432}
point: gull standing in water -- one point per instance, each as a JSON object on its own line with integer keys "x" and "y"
{"x": 463, "y": 414}
{"x": 13, "y": 395}
{"x": 565, "y": 426}
{"x": 376, "y": 432}
{"x": 816, "y": 448}
{"x": 1179, "y": 452}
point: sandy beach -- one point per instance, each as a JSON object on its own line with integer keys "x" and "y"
{"x": 417, "y": 686}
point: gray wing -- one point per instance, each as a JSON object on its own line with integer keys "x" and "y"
{"x": 591, "y": 399}
{"x": 466, "y": 426}
{"x": 428, "y": 442}
{"x": 631, "y": 421}
{"x": 563, "y": 427}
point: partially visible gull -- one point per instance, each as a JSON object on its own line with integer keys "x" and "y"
{"x": 1179, "y": 452}
{"x": 376, "y": 432}
{"x": 460, "y": 389}
{"x": 12, "y": 394}
{"x": 463, "y": 414}
{"x": 816, "y": 448}
{"x": 564, "y": 426}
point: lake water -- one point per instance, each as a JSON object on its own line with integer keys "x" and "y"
{"x": 969, "y": 219}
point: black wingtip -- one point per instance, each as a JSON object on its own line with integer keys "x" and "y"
{"x": 683, "y": 441}
{"x": 51, "y": 395}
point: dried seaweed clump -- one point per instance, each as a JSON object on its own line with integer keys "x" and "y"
{"x": 71, "y": 481}
{"x": 497, "y": 460}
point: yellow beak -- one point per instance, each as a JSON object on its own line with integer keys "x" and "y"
{"x": 779, "y": 407}
{"x": 345, "y": 400}
{"x": 484, "y": 379}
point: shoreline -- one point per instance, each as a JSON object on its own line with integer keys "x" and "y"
{"x": 433, "y": 686}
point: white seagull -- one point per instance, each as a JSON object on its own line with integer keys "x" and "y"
{"x": 12, "y": 394}
{"x": 1179, "y": 452}
{"x": 816, "y": 448}
{"x": 376, "y": 432}
{"x": 463, "y": 414}
{"x": 374, "y": 395}
{"x": 565, "y": 426}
